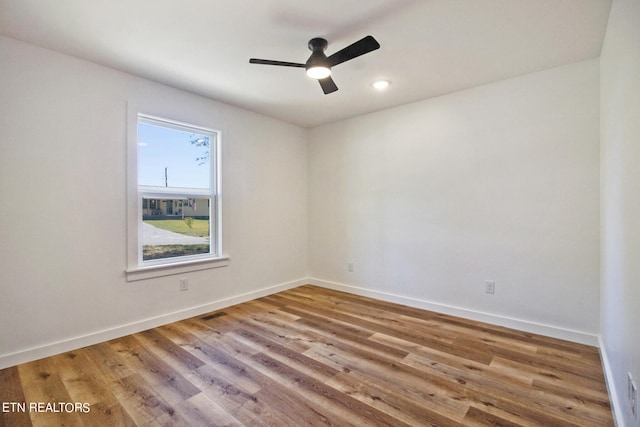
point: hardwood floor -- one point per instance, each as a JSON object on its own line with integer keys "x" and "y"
{"x": 312, "y": 356}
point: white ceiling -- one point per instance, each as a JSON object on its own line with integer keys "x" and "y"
{"x": 428, "y": 47}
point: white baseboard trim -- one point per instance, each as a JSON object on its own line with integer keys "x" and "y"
{"x": 521, "y": 325}
{"x": 616, "y": 405}
{"x": 50, "y": 349}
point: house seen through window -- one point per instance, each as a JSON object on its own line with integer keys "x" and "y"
{"x": 177, "y": 191}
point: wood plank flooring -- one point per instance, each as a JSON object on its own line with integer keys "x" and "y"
{"x": 312, "y": 356}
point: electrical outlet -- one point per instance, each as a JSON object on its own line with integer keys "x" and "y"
{"x": 350, "y": 267}
{"x": 490, "y": 286}
{"x": 184, "y": 284}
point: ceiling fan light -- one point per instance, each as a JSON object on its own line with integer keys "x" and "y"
{"x": 318, "y": 72}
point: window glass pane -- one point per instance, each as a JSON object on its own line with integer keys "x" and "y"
{"x": 175, "y": 227}
{"x": 173, "y": 156}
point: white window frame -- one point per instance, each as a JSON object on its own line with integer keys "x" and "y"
{"x": 137, "y": 268}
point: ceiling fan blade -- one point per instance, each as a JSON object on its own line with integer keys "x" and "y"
{"x": 328, "y": 85}
{"x": 354, "y": 50}
{"x": 280, "y": 63}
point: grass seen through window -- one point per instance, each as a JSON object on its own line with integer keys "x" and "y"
{"x": 199, "y": 227}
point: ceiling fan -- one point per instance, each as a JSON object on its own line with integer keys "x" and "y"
{"x": 318, "y": 66}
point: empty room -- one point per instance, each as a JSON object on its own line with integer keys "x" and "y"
{"x": 279, "y": 212}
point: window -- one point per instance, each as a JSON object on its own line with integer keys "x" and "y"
{"x": 174, "y": 195}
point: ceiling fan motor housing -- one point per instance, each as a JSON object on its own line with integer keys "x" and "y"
{"x": 318, "y": 58}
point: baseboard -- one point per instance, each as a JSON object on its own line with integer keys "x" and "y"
{"x": 616, "y": 405}
{"x": 50, "y": 349}
{"x": 521, "y": 325}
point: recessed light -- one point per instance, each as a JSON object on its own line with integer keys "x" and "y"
{"x": 381, "y": 84}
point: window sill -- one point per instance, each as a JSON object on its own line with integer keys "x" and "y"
{"x": 151, "y": 271}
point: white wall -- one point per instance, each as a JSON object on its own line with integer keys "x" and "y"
{"x": 620, "y": 139}
{"x": 500, "y": 182}
{"x": 63, "y": 212}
